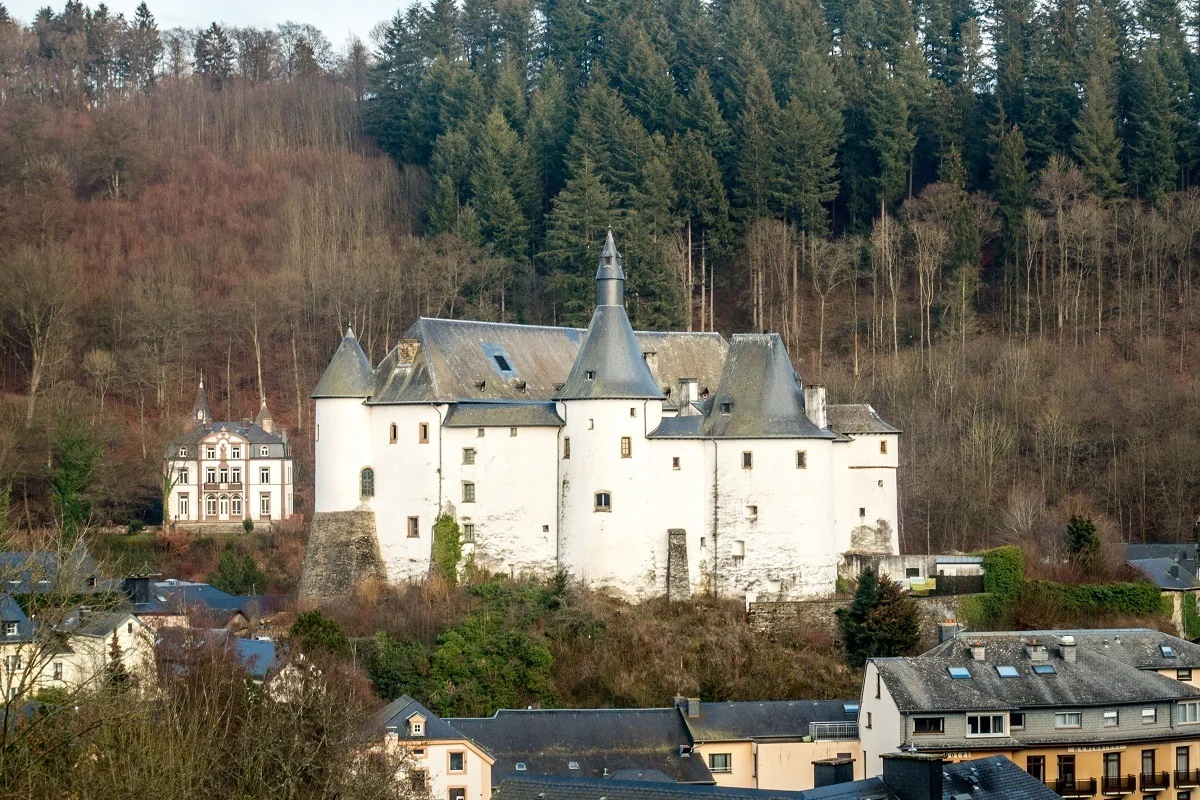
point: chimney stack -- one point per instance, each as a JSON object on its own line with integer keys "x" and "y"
{"x": 948, "y": 629}
{"x": 913, "y": 776}
{"x": 137, "y": 588}
{"x": 1068, "y": 648}
{"x": 978, "y": 651}
{"x": 831, "y": 771}
{"x": 814, "y": 405}
{"x": 693, "y": 708}
{"x": 1036, "y": 651}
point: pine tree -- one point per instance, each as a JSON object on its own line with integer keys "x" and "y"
{"x": 892, "y": 139}
{"x": 1097, "y": 146}
{"x": 646, "y": 84}
{"x": 214, "y": 56}
{"x": 546, "y": 134}
{"x": 1151, "y": 143}
{"x": 498, "y": 179}
{"x": 393, "y": 83}
{"x": 757, "y": 167}
{"x": 1010, "y": 178}
{"x": 703, "y": 115}
{"x": 142, "y": 50}
{"x": 806, "y": 152}
{"x": 880, "y": 622}
{"x": 582, "y": 214}
{"x": 700, "y": 195}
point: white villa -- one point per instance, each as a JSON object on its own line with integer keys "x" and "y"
{"x": 650, "y": 462}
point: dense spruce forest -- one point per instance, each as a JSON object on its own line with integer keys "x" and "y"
{"x": 979, "y": 217}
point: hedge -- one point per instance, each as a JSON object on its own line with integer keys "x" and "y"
{"x": 1136, "y": 599}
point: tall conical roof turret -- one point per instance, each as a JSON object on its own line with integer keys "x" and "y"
{"x": 264, "y": 419}
{"x": 348, "y": 373}
{"x": 201, "y": 413}
{"x": 609, "y": 364}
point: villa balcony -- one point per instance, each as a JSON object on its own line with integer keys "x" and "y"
{"x": 1074, "y": 787}
{"x": 1155, "y": 781}
{"x": 224, "y": 487}
{"x": 1118, "y": 784}
{"x": 1187, "y": 778}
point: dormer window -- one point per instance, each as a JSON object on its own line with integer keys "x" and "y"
{"x": 183, "y": 452}
{"x": 11, "y": 629}
{"x": 608, "y": 260}
{"x": 726, "y": 408}
{"x": 416, "y": 725}
{"x": 590, "y": 374}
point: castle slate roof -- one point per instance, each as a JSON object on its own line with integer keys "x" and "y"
{"x": 482, "y": 415}
{"x": 759, "y": 396}
{"x": 776, "y": 719}
{"x": 850, "y": 418}
{"x": 348, "y": 373}
{"x": 610, "y": 364}
{"x": 1118, "y": 674}
{"x": 596, "y": 741}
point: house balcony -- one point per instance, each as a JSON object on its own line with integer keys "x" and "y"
{"x": 1187, "y": 778}
{"x": 1074, "y": 787}
{"x": 1155, "y": 781}
{"x": 224, "y": 487}
{"x": 1118, "y": 784}
{"x": 833, "y": 731}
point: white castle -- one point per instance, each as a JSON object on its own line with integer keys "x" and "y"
{"x": 652, "y": 463}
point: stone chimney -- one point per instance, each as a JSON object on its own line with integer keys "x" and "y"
{"x": 832, "y": 771}
{"x": 978, "y": 651}
{"x": 913, "y": 776}
{"x": 1036, "y": 651}
{"x": 1068, "y": 648}
{"x": 693, "y": 708}
{"x": 814, "y": 405}
{"x": 948, "y": 629}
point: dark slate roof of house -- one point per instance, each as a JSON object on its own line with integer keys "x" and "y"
{"x": 455, "y": 360}
{"x": 503, "y": 415}
{"x": 857, "y": 418}
{"x": 1096, "y": 677}
{"x": 348, "y": 373}
{"x": 764, "y": 390}
{"x": 257, "y": 656}
{"x": 992, "y": 778}
{"x": 97, "y": 624}
{"x": 547, "y": 742}
{"x": 1166, "y": 573}
{"x": 1187, "y": 553}
{"x": 546, "y": 787}
{"x": 778, "y": 719}
{"x": 34, "y": 571}
{"x": 176, "y": 597}
{"x": 396, "y": 714}
{"x": 196, "y": 432}
{"x": 10, "y": 611}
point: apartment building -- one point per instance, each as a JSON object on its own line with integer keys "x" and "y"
{"x": 1097, "y": 713}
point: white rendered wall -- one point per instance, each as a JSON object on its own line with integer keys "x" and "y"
{"x": 788, "y": 546}
{"x": 880, "y": 724}
{"x": 623, "y": 548}
{"x": 515, "y": 511}
{"x": 343, "y": 448}
{"x": 684, "y": 500}
{"x": 407, "y": 485}
{"x": 858, "y": 486}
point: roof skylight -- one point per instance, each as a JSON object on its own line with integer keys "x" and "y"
{"x": 1167, "y": 650}
{"x": 850, "y": 708}
{"x": 959, "y": 673}
{"x": 1044, "y": 669}
{"x": 1006, "y": 671}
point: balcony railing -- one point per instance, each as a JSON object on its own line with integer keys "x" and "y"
{"x": 224, "y": 487}
{"x": 1155, "y": 781}
{"x": 1074, "y": 787}
{"x": 1187, "y": 777}
{"x": 833, "y": 731}
{"x": 1118, "y": 784}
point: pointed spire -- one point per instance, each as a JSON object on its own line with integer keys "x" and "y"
{"x": 350, "y": 332}
{"x": 201, "y": 413}
{"x": 264, "y": 419}
{"x": 610, "y": 278}
{"x": 349, "y": 373}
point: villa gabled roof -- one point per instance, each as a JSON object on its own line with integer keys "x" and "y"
{"x": 348, "y": 373}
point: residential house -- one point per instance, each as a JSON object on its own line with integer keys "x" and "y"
{"x": 1096, "y": 713}
{"x": 772, "y": 744}
{"x": 172, "y": 603}
{"x": 1173, "y": 568}
{"x": 436, "y": 757}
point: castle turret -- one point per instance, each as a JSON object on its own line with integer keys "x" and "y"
{"x": 610, "y": 402}
{"x": 201, "y": 413}
{"x": 343, "y": 434}
{"x": 264, "y": 419}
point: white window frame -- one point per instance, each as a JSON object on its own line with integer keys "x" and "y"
{"x": 184, "y": 475}
{"x": 264, "y": 504}
{"x": 1068, "y": 719}
{"x": 235, "y": 451}
{"x": 1187, "y": 713}
{"x": 235, "y": 475}
{"x": 993, "y": 733}
{"x": 183, "y": 452}
{"x": 210, "y": 452}
{"x": 210, "y": 505}
{"x": 184, "y": 504}
{"x": 235, "y": 505}
{"x": 210, "y": 474}
{"x": 12, "y": 628}
{"x": 264, "y": 474}
{"x": 1150, "y": 715}
{"x": 1112, "y": 718}
{"x": 264, "y": 451}
{"x": 712, "y": 762}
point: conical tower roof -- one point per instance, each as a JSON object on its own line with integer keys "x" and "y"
{"x": 348, "y": 373}
{"x": 264, "y": 419}
{"x": 609, "y": 364}
{"x": 200, "y": 411}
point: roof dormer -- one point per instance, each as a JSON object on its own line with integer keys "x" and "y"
{"x": 416, "y": 725}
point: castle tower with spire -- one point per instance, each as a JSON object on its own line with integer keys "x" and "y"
{"x": 648, "y": 462}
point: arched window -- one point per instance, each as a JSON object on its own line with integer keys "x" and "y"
{"x": 367, "y": 479}
{"x": 223, "y": 504}
{"x": 236, "y": 504}
{"x": 603, "y": 501}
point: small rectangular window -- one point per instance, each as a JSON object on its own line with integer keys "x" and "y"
{"x": 1016, "y": 720}
{"x": 929, "y": 725}
{"x": 726, "y": 408}
{"x": 752, "y": 512}
{"x": 58, "y": 671}
{"x": 603, "y": 501}
{"x": 468, "y": 493}
{"x": 1149, "y": 715}
{"x": 720, "y": 762}
{"x": 393, "y": 433}
{"x": 468, "y": 455}
{"x": 1112, "y": 718}
{"x": 235, "y": 452}
{"x": 458, "y": 762}
{"x": 264, "y": 474}
{"x": 264, "y": 451}
{"x": 674, "y": 462}
{"x": 869, "y": 720}
{"x": 423, "y": 433}
{"x": 748, "y": 460}
{"x": 862, "y": 512}
{"x": 502, "y": 363}
{"x": 456, "y": 793}
{"x": 801, "y": 459}
{"x": 414, "y": 527}
{"x": 883, "y": 447}
{"x": 591, "y": 424}
{"x": 626, "y": 447}
{"x": 479, "y": 432}
{"x": 1183, "y": 674}
{"x": 512, "y": 431}
{"x": 212, "y": 452}
{"x": 633, "y": 411}
{"x": 566, "y": 447}
{"x": 1068, "y": 719}
{"x": 468, "y": 531}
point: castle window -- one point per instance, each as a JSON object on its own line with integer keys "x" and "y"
{"x": 414, "y": 527}
{"x": 566, "y": 447}
{"x": 883, "y": 447}
{"x": 862, "y": 513}
{"x": 264, "y": 451}
{"x": 674, "y": 462}
{"x": 479, "y": 433}
{"x": 591, "y": 424}
{"x": 590, "y": 374}
{"x": 801, "y": 459}
{"x": 502, "y": 363}
{"x": 235, "y": 452}
{"x": 752, "y": 513}
{"x": 423, "y": 432}
{"x": 367, "y": 482}
{"x": 603, "y": 501}
{"x": 633, "y": 411}
{"x": 468, "y": 492}
{"x": 747, "y": 460}
{"x": 183, "y": 452}
{"x": 468, "y": 455}
{"x": 393, "y": 434}
{"x": 468, "y": 532}
{"x": 264, "y": 474}
{"x": 545, "y": 529}
{"x": 626, "y": 447}
{"x": 512, "y": 431}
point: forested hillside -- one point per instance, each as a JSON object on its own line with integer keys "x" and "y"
{"x": 978, "y": 217}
